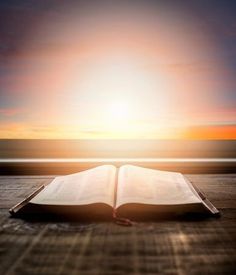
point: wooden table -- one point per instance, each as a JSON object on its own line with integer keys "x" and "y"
{"x": 189, "y": 246}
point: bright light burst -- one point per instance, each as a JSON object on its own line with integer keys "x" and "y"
{"x": 119, "y": 111}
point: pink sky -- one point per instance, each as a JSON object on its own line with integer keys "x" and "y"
{"x": 117, "y": 74}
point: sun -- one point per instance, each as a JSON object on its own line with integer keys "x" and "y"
{"x": 119, "y": 111}
{"x": 118, "y": 118}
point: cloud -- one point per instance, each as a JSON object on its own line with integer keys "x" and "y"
{"x": 194, "y": 67}
{"x": 210, "y": 132}
{"x": 11, "y": 112}
{"x": 27, "y": 131}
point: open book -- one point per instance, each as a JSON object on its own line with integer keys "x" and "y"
{"x": 129, "y": 191}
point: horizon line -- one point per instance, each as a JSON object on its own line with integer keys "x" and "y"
{"x": 105, "y": 160}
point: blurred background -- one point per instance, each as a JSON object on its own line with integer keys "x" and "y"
{"x": 117, "y": 79}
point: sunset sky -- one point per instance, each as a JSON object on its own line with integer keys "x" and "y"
{"x": 118, "y": 69}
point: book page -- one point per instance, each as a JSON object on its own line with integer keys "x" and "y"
{"x": 92, "y": 186}
{"x": 148, "y": 186}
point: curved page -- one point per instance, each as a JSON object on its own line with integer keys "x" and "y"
{"x": 148, "y": 186}
{"x": 92, "y": 186}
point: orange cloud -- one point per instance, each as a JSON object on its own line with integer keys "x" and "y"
{"x": 211, "y": 132}
{"x": 25, "y": 131}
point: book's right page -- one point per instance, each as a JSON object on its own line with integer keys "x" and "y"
{"x": 155, "y": 187}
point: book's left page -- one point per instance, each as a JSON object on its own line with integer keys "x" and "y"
{"x": 95, "y": 185}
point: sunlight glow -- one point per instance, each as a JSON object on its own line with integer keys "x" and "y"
{"x": 119, "y": 111}
{"x": 123, "y": 90}
{"x": 104, "y": 72}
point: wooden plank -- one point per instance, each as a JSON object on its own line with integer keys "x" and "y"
{"x": 220, "y": 189}
{"x": 15, "y": 189}
{"x": 188, "y": 246}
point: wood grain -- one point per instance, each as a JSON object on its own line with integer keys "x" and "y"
{"x": 189, "y": 246}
